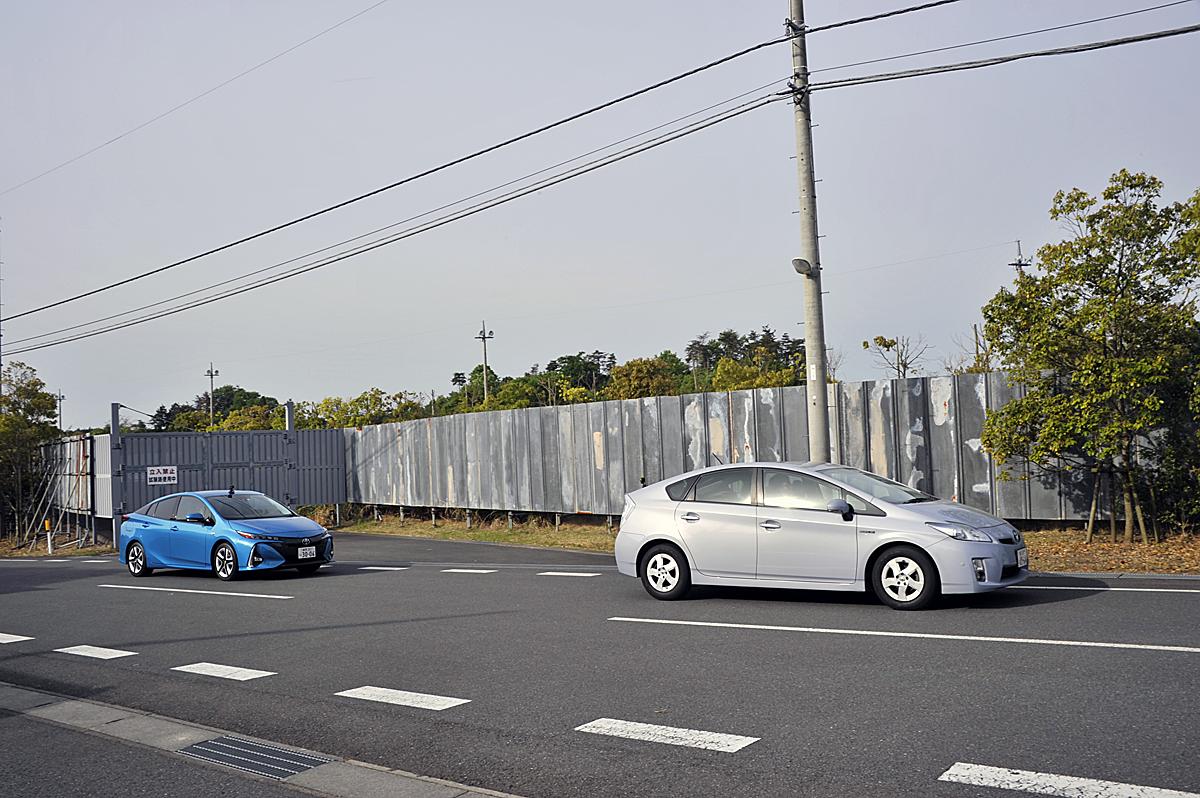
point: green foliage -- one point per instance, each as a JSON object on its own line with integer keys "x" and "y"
{"x": 730, "y": 375}
{"x": 372, "y": 406}
{"x": 254, "y": 417}
{"x": 648, "y": 376}
{"x": 1104, "y": 337}
{"x": 27, "y": 420}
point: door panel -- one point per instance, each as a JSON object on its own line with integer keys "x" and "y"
{"x": 721, "y": 538}
{"x": 719, "y": 526}
{"x": 156, "y": 530}
{"x": 189, "y": 540}
{"x": 798, "y": 538}
{"x": 808, "y": 545}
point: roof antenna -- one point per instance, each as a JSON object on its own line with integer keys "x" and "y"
{"x": 231, "y": 491}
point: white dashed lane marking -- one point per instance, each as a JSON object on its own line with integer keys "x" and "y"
{"x": 223, "y": 671}
{"x": 383, "y": 568}
{"x": 12, "y": 638}
{"x": 669, "y": 735}
{"x": 201, "y": 592}
{"x": 566, "y": 573}
{"x": 404, "y": 698}
{"x": 468, "y": 571}
{"x": 1052, "y": 784}
{"x": 919, "y": 635}
{"x": 97, "y": 561}
{"x": 96, "y": 652}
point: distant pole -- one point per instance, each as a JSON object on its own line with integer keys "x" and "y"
{"x": 485, "y": 335}
{"x": 58, "y": 397}
{"x": 212, "y": 375}
{"x": 809, "y": 262}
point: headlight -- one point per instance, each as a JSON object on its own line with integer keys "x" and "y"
{"x": 961, "y": 532}
{"x": 255, "y": 536}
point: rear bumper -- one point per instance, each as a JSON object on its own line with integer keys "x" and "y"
{"x": 626, "y": 549}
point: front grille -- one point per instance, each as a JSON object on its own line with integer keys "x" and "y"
{"x": 1008, "y": 572}
{"x": 1009, "y": 541}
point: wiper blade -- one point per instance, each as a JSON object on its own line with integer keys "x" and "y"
{"x": 916, "y": 499}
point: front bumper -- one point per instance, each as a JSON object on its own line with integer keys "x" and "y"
{"x": 956, "y": 565}
{"x": 269, "y": 554}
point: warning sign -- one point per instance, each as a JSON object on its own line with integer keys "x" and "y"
{"x": 162, "y": 475}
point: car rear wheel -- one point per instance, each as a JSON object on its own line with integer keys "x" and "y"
{"x": 225, "y": 564}
{"x": 135, "y": 560}
{"x": 904, "y": 578}
{"x": 665, "y": 573}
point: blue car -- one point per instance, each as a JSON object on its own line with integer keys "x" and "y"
{"x": 228, "y": 532}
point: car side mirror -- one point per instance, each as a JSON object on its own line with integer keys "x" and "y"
{"x": 198, "y": 518}
{"x": 841, "y": 507}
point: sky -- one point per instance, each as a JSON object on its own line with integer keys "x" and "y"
{"x": 931, "y": 180}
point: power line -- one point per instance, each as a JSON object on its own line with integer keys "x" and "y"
{"x": 188, "y": 102}
{"x": 470, "y": 156}
{"x": 1004, "y": 59}
{"x": 449, "y": 218}
{"x": 1000, "y": 38}
{"x": 422, "y": 215}
{"x": 884, "y": 15}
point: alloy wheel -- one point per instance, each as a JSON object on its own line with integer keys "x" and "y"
{"x": 902, "y": 579}
{"x": 663, "y": 572}
{"x": 225, "y": 562}
{"x": 136, "y": 559}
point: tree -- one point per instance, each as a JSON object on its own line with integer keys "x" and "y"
{"x": 730, "y": 375}
{"x": 1103, "y": 336}
{"x": 973, "y": 356}
{"x": 253, "y": 417}
{"x": 27, "y": 420}
{"x": 646, "y": 376}
{"x": 901, "y": 356}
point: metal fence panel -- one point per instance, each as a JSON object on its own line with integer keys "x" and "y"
{"x": 913, "y": 433}
{"x": 970, "y": 392}
{"x": 853, "y": 400}
{"x": 631, "y": 444}
{"x": 768, "y": 425}
{"x": 795, "y": 424}
{"x": 1012, "y": 493}
{"x": 943, "y": 438}
{"x": 743, "y": 432}
{"x": 670, "y": 410}
{"x": 717, "y": 405}
{"x": 881, "y": 427}
{"x": 695, "y": 433}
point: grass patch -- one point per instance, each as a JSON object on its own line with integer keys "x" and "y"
{"x": 9, "y": 548}
{"x": 1065, "y": 550}
{"x": 587, "y": 537}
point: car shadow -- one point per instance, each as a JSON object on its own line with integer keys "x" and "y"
{"x": 1004, "y": 598}
{"x": 334, "y": 571}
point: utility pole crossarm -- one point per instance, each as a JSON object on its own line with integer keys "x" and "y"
{"x": 809, "y": 262}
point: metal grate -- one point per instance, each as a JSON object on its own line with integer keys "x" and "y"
{"x": 252, "y": 757}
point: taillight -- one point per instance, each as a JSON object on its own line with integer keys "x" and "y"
{"x": 124, "y": 517}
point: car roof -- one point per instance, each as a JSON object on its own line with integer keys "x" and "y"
{"x": 209, "y": 493}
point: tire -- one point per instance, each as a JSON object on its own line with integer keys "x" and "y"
{"x": 308, "y": 570}
{"x": 224, "y": 562}
{"x": 665, "y": 573}
{"x": 135, "y": 560}
{"x": 904, "y": 578}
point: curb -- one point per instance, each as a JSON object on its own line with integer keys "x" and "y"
{"x": 1116, "y": 575}
{"x": 336, "y": 777}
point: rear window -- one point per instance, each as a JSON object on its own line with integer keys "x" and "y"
{"x": 678, "y": 490}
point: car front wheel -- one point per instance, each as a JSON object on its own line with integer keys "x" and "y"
{"x": 135, "y": 560}
{"x": 665, "y": 573}
{"x": 225, "y": 564}
{"x": 904, "y": 578}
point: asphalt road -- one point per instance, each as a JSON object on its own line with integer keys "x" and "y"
{"x": 824, "y": 694}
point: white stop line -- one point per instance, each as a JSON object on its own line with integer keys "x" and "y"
{"x": 1052, "y": 784}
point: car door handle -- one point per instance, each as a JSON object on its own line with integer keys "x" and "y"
{"x": 770, "y": 526}
{"x": 689, "y": 517}
{"x": 174, "y": 528}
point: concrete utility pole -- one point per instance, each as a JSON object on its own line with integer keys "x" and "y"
{"x": 809, "y": 262}
{"x": 212, "y": 374}
{"x": 485, "y": 335}
{"x": 58, "y": 397}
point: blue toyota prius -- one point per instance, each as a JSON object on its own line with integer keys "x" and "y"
{"x": 228, "y": 532}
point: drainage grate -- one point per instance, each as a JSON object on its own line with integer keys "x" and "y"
{"x": 247, "y": 755}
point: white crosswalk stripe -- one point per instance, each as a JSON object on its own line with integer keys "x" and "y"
{"x": 669, "y": 735}
{"x": 223, "y": 671}
{"x": 4, "y": 638}
{"x": 96, "y": 652}
{"x": 404, "y": 698}
{"x": 1052, "y": 783}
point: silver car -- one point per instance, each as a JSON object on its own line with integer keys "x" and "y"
{"x": 823, "y": 527}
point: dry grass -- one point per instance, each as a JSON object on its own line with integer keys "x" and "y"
{"x": 587, "y": 537}
{"x": 62, "y": 548}
{"x": 1066, "y": 551}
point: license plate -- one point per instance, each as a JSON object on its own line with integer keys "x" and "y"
{"x": 1022, "y": 558}
{"x": 306, "y": 552}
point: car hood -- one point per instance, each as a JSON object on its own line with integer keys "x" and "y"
{"x": 956, "y": 513}
{"x": 295, "y": 526}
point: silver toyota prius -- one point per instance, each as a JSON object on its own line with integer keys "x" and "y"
{"x": 822, "y": 527}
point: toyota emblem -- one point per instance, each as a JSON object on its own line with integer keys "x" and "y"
{"x": 305, "y": 542}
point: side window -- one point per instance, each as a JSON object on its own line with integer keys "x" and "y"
{"x": 795, "y": 491}
{"x": 143, "y": 510}
{"x": 165, "y": 508}
{"x": 727, "y": 486}
{"x": 189, "y": 505}
{"x": 678, "y": 490}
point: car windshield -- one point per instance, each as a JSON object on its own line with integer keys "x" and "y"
{"x": 248, "y": 505}
{"x": 877, "y": 487}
